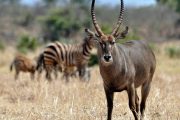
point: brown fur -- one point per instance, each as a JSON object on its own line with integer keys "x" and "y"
{"x": 23, "y": 64}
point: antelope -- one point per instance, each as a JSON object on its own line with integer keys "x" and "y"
{"x": 124, "y": 66}
{"x": 23, "y": 64}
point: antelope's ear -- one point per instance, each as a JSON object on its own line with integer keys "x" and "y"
{"x": 91, "y": 34}
{"x": 123, "y": 34}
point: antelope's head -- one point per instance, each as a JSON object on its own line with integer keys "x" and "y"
{"x": 106, "y": 42}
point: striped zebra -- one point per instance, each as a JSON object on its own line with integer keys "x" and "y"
{"x": 66, "y": 56}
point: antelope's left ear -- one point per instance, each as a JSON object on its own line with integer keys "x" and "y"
{"x": 122, "y": 35}
{"x": 92, "y": 34}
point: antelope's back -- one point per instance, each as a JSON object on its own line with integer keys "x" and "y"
{"x": 142, "y": 58}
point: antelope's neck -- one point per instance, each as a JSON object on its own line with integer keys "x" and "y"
{"x": 117, "y": 67}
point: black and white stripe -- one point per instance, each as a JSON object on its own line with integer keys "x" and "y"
{"x": 65, "y": 55}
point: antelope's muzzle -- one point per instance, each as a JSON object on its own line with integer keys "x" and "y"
{"x": 107, "y": 58}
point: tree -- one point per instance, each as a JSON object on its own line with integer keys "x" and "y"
{"x": 174, "y": 4}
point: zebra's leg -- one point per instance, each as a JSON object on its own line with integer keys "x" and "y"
{"x": 66, "y": 75}
{"x": 84, "y": 73}
{"x": 48, "y": 73}
{"x": 39, "y": 73}
{"x": 87, "y": 74}
{"x": 81, "y": 72}
{"x": 55, "y": 73}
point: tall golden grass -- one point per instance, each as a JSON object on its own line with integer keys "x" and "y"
{"x": 32, "y": 100}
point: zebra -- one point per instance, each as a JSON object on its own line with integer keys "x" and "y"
{"x": 66, "y": 56}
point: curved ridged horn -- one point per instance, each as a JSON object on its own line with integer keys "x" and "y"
{"x": 115, "y": 30}
{"x": 98, "y": 29}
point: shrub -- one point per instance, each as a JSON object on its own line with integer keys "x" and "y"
{"x": 173, "y": 52}
{"x": 93, "y": 60}
{"x": 59, "y": 23}
{"x": 26, "y": 44}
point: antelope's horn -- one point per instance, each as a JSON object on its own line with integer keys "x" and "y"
{"x": 115, "y": 30}
{"x": 98, "y": 29}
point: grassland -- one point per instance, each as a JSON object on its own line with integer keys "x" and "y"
{"x": 32, "y": 100}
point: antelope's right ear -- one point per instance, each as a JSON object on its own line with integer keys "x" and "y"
{"x": 91, "y": 33}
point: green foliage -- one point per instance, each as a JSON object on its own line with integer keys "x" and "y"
{"x": 61, "y": 23}
{"x": 174, "y": 4}
{"x": 106, "y": 28}
{"x": 26, "y": 44}
{"x": 2, "y": 46}
{"x": 93, "y": 60}
{"x": 173, "y": 52}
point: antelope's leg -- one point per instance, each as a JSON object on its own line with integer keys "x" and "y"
{"x": 132, "y": 97}
{"x": 144, "y": 94}
{"x": 137, "y": 102}
{"x": 32, "y": 76}
{"x": 16, "y": 74}
{"x": 109, "y": 98}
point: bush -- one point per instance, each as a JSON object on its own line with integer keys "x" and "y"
{"x": 62, "y": 23}
{"x": 93, "y": 60}
{"x": 2, "y": 46}
{"x": 26, "y": 44}
{"x": 173, "y": 52}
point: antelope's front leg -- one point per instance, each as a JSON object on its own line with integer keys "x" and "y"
{"x": 109, "y": 97}
{"x": 132, "y": 96}
{"x": 17, "y": 74}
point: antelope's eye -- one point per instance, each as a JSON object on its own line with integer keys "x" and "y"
{"x": 102, "y": 44}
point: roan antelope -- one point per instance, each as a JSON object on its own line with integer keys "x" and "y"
{"x": 123, "y": 66}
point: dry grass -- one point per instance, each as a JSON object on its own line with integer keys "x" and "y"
{"x": 31, "y": 100}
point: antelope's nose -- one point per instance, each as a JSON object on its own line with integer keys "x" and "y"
{"x": 107, "y": 58}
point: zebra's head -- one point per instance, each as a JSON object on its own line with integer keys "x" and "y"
{"x": 107, "y": 42}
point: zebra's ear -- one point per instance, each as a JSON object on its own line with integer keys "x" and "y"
{"x": 123, "y": 34}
